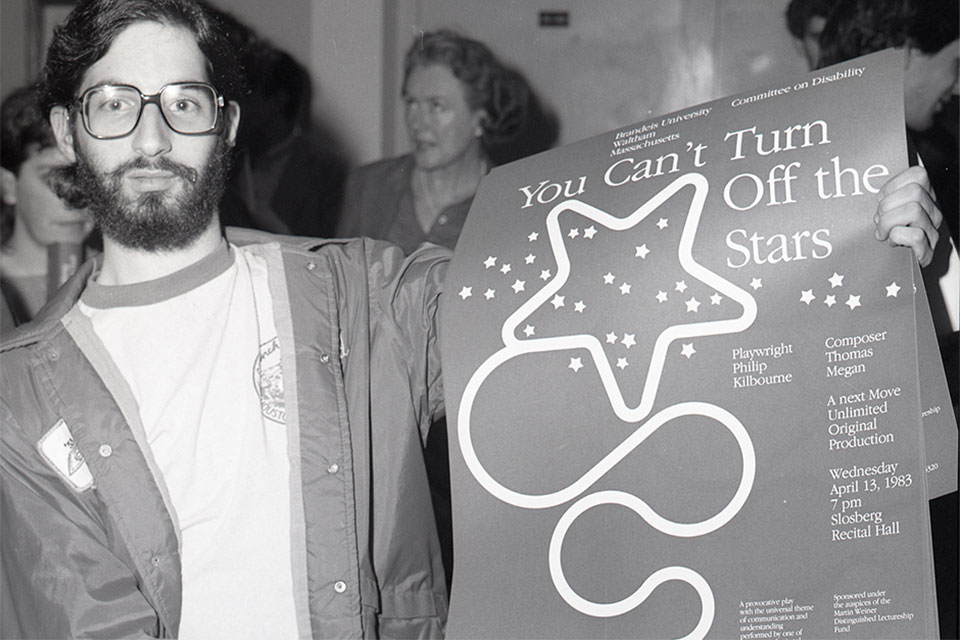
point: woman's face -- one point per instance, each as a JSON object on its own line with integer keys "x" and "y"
{"x": 44, "y": 215}
{"x": 440, "y": 123}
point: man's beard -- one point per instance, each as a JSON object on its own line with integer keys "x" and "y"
{"x": 153, "y": 221}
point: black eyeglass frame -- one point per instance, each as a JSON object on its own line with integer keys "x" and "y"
{"x": 150, "y": 99}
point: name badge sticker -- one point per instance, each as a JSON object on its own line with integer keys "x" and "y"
{"x": 60, "y": 451}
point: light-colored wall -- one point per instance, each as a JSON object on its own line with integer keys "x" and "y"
{"x": 619, "y": 61}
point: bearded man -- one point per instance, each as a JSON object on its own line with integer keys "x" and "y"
{"x": 191, "y": 441}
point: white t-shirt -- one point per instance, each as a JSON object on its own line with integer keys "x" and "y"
{"x": 199, "y": 351}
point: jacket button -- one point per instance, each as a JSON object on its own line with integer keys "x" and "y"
{"x": 155, "y": 561}
{"x": 54, "y": 356}
{"x": 333, "y": 468}
{"x": 443, "y": 219}
{"x": 311, "y": 266}
{"x": 106, "y": 451}
{"x": 339, "y": 586}
{"x": 324, "y": 358}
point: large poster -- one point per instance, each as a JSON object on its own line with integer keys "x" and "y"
{"x": 682, "y": 380}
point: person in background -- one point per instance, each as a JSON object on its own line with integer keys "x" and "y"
{"x": 459, "y": 100}
{"x": 805, "y": 21}
{"x": 928, "y": 32}
{"x": 35, "y": 222}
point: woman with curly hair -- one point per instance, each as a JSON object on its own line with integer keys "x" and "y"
{"x": 460, "y": 102}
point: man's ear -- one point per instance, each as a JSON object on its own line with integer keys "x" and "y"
{"x": 8, "y": 187}
{"x": 63, "y": 131}
{"x": 231, "y": 122}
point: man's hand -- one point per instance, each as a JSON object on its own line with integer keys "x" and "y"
{"x": 908, "y": 214}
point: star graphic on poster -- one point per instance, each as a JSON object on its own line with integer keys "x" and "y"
{"x": 545, "y": 274}
{"x": 489, "y": 262}
{"x": 681, "y": 286}
{"x": 557, "y": 301}
{"x": 693, "y": 305}
{"x": 716, "y": 298}
{"x": 629, "y": 339}
{"x": 529, "y": 259}
{"x": 579, "y": 306}
{"x": 518, "y": 285}
{"x": 608, "y": 278}
{"x": 622, "y": 363}
{"x": 836, "y": 280}
{"x": 687, "y": 350}
{"x": 662, "y": 223}
{"x": 533, "y": 237}
{"x": 611, "y": 338}
{"x": 574, "y": 232}
{"x": 466, "y": 292}
{"x": 489, "y": 293}
{"x": 853, "y": 302}
{"x": 892, "y": 290}
{"x": 830, "y": 300}
{"x": 575, "y": 364}
{"x": 806, "y": 296}
{"x": 624, "y": 289}
{"x": 756, "y": 283}
{"x": 528, "y": 330}
{"x": 589, "y": 232}
{"x": 661, "y": 296}
{"x": 642, "y": 252}
{"x": 505, "y": 269}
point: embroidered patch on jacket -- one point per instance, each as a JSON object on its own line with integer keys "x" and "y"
{"x": 268, "y": 381}
{"x": 59, "y": 449}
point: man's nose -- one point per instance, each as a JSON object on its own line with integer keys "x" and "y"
{"x": 152, "y": 137}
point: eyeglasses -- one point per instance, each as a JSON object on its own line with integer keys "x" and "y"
{"x": 113, "y": 110}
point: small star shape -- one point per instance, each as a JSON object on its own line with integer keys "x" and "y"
{"x": 629, "y": 340}
{"x": 624, "y": 289}
{"x": 518, "y": 285}
{"x": 529, "y": 259}
{"x": 693, "y": 304}
{"x": 574, "y": 232}
{"x": 578, "y": 306}
{"x": 545, "y": 274}
{"x": 687, "y": 350}
{"x": 489, "y": 262}
{"x": 853, "y": 302}
{"x": 892, "y": 290}
{"x": 528, "y": 330}
{"x": 622, "y": 363}
{"x": 466, "y": 292}
{"x": 533, "y": 237}
{"x": 836, "y": 280}
{"x": 806, "y": 296}
{"x": 608, "y": 278}
{"x": 489, "y": 293}
{"x": 716, "y": 298}
{"x": 756, "y": 283}
{"x": 661, "y": 296}
{"x": 642, "y": 252}
{"x": 505, "y": 269}
{"x": 681, "y": 286}
{"x": 830, "y": 301}
{"x": 557, "y": 301}
{"x": 611, "y": 338}
{"x": 662, "y": 223}
{"x": 589, "y": 232}
{"x": 575, "y": 364}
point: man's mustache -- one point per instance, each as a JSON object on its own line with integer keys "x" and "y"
{"x": 63, "y": 180}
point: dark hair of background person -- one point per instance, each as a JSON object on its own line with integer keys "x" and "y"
{"x": 92, "y": 27}
{"x": 799, "y": 12}
{"x": 500, "y": 91}
{"x": 24, "y": 129}
{"x": 858, "y": 27}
